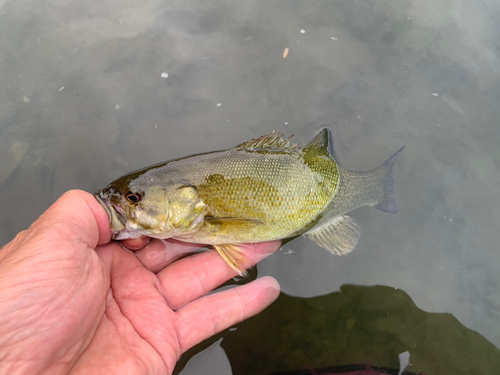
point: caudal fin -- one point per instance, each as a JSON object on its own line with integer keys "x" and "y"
{"x": 387, "y": 200}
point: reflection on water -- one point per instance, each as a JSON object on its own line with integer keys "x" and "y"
{"x": 358, "y": 325}
{"x": 84, "y": 98}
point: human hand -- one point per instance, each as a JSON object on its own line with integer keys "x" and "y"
{"x": 67, "y": 308}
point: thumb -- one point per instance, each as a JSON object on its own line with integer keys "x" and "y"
{"x": 76, "y": 218}
{"x": 76, "y": 215}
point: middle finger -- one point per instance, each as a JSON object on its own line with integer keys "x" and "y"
{"x": 194, "y": 276}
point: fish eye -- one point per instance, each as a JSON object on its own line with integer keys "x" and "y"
{"x": 133, "y": 197}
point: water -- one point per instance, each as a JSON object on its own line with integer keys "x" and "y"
{"x": 89, "y": 92}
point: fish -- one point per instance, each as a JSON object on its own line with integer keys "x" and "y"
{"x": 261, "y": 190}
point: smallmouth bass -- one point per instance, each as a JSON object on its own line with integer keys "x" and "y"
{"x": 261, "y": 190}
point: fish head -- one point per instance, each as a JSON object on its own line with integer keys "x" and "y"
{"x": 134, "y": 211}
{"x": 138, "y": 207}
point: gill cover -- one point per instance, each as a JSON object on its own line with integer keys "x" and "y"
{"x": 187, "y": 210}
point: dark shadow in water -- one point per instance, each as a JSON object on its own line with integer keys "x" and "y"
{"x": 358, "y": 325}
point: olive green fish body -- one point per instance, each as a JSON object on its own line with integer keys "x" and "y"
{"x": 264, "y": 189}
{"x": 277, "y": 189}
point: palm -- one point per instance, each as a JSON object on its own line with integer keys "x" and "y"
{"x": 152, "y": 318}
{"x": 137, "y": 332}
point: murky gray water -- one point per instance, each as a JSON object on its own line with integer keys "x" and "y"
{"x": 83, "y": 100}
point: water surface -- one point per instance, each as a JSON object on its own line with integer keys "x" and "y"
{"x": 85, "y": 97}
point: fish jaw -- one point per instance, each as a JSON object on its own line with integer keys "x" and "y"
{"x": 125, "y": 234}
{"x": 116, "y": 219}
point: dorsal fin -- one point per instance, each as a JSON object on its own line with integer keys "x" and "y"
{"x": 273, "y": 140}
{"x": 321, "y": 144}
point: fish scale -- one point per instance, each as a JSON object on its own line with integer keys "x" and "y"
{"x": 264, "y": 189}
{"x": 285, "y": 195}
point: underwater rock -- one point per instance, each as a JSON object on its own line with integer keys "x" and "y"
{"x": 358, "y": 325}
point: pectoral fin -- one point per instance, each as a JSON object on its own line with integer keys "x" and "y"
{"x": 232, "y": 224}
{"x": 339, "y": 236}
{"x": 233, "y": 220}
{"x": 234, "y": 256}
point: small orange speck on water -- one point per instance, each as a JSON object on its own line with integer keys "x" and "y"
{"x": 285, "y": 52}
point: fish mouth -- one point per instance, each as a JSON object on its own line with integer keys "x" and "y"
{"x": 104, "y": 202}
{"x": 116, "y": 218}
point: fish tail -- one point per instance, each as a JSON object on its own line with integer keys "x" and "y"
{"x": 386, "y": 200}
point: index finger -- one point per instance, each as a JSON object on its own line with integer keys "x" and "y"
{"x": 192, "y": 277}
{"x": 158, "y": 254}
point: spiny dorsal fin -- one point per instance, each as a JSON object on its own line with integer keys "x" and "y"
{"x": 273, "y": 140}
{"x": 320, "y": 144}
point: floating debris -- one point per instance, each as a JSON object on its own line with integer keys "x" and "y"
{"x": 218, "y": 105}
{"x": 285, "y": 52}
{"x": 164, "y": 75}
{"x": 435, "y": 94}
{"x": 333, "y": 38}
{"x": 302, "y": 31}
{"x": 404, "y": 361}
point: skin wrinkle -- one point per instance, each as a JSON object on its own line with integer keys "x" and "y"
{"x": 119, "y": 326}
{"x": 68, "y": 230}
{"x": 198, "y": 267}
{"x": 46, "y": 258}
{"x": 176, "y": 350}
{"x": 32, "y": 357}
{"x": 106, "y": 235}
{"x": 122, "y": 324}
{"x": 117, "y": 280}
{"x": 159, "y": 287}
{"x": 177, "y": 305}
{"x": 215, "y": 311}
{"x": 183, "y": 329}
{"x": 149, "y": 301}
{"x": 243, "y": 304}
{"x": 37, "y": 315}
{"x": 92, "y": 226}
{"x": 89, "y": 337}
{"x": 145, "y": 337}
{"x": 214, "y": 322}
{"x": 7, "y": 252}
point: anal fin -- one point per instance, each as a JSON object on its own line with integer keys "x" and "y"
{"x": 339, "y": 236}
{"x": 234, "y": 256}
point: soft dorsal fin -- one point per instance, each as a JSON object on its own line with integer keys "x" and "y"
{"x": 273, "y": 140}
{"x": 321, "y": 144}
